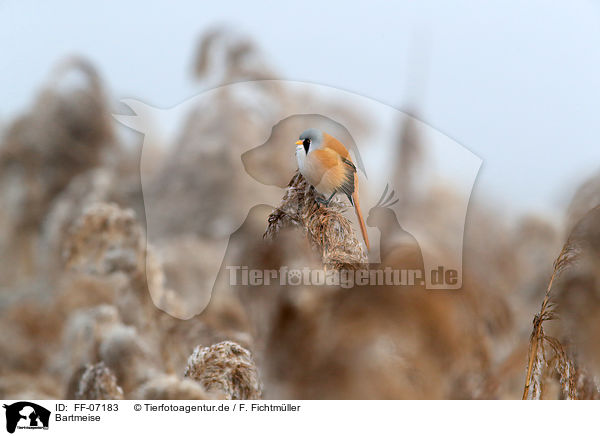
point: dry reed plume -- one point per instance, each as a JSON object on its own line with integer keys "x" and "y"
{"x": 326, "y": 228}
{"x": 225, "y": 368}
{"x": 548, "y": 356}
{"x": 98, "y": 383}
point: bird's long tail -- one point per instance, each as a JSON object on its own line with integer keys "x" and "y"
{"x": 361, "y": 222}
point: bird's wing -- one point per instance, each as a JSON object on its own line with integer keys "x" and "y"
{"x": 327, "y": 159}
{"x": 335, "y": 145}
{"x": 349, "y": 185}
{"x": 335, "y": 174}
{"x": 341, "y": 176}
{"x": 349, "y": 163}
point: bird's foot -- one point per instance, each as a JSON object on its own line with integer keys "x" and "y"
{"x": 322, "y": 201}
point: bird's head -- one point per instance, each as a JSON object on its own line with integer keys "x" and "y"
{"x": 310, "y": 139}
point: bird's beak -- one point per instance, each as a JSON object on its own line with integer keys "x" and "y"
{"x": 298, "y": 142}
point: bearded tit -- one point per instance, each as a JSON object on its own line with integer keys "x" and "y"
{"x": 326, "y": 164}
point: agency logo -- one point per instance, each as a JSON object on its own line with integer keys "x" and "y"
{"x": 25, "y": 415}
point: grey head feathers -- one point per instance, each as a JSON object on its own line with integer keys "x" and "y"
{"x": 311, "y": 139}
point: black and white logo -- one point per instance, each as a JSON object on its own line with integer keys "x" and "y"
{"x": 26, "y": 415}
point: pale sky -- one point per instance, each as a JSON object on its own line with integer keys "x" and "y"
{"x": 516, "y": 82}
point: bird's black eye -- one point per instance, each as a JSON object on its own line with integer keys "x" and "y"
{"x": 306, "y": 144}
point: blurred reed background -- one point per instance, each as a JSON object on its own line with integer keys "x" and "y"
{"x": 79, "y": 320}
